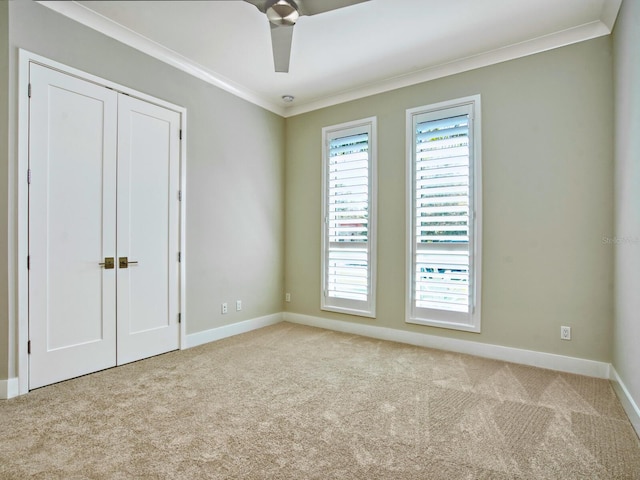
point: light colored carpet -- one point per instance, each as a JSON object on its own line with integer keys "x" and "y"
{"x": 294, "y": 402}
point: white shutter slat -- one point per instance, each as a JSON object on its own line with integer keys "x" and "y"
{"x": 442, "y": 201}
{"x": 454, "y": 253}
{"x": 442, "y": 238}
{"x": 348, "y": 229}
{"x": 357, "y": 172}
{"x": 348, "y": 222}
{"x": 337, "y": 169}
{"x": 425, "y": 183}
{"x": 341, "y": 231}
{"x": 445, "y": 171}
{"x": 347, "y": 207}
{"x": 359, "y": 214}
{"x": 346, "y": 204}
{"x": 432, "y": 136}
{"x": 349, "y": 282}
{"x": 433, "y": 228}
{"x": 349, "y": 271}
{"x": 349, "y": 296}
{"x": 436, "y": 222}
{"x": 452, "y": 154}
{"x": 347, "y": 159}
{"x": 441, "y": 146}
{"x": 357, "y": 188}
{"x": 454, "y": 209}
{"x": 443, "y": 278}
{"x": 347, "y": 239}
{"x": 347, "y": 199}
{"x": 441, "y": 123}
{"x": 340, "y": 142}
{"x": 444, "y": 161}
{"x": 349, "y": 251}
{"x": 448, "y": 191}
{"x": 347, "y": 261}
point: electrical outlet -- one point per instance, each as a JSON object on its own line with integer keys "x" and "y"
{"x": 238, "y": 305}
{"x": 225, "y": 308}
{"x": 287, "y": 297}
{"x": 565, "y": 333}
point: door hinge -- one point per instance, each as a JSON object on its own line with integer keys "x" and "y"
{"x": 28, "y": 262}
{"x": 29, "y": 90}
{"x": 179, "y": 256}
{"x": 29, "y": 347}
{"x": 179, "y": 195}
{"x": 180, "y": 134}
{"x": 29, "y": 176}
{"x": 179, "y": 318}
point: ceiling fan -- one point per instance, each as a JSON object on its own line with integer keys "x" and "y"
{"x": 283, "y": 15}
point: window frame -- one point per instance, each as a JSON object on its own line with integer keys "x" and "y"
{"x": 435, "y": 317}
{"x": 332, "y": 304}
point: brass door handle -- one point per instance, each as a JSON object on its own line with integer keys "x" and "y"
{"x": 124, "y": 262}
{"x": 108, "y": 263}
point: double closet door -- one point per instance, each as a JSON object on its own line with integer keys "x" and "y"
{"x": 103, "y": 227}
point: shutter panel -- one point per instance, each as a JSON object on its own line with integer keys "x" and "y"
{"x": 442, "y": 214}
{"x": 348, "y": 196}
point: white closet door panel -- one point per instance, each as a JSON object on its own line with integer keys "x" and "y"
{"x": 72, "y": 205}
{"x": 148, "y": 232}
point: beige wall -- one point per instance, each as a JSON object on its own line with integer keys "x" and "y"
{"x": 548, "y": 200}
{"x": 235, "y": 169}
{"x": 4, "y": 209}
{"x": 626, "y": 359}
{"x": 548, "y": 196}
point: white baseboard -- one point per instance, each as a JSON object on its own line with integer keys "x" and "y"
{"x": 550, "y": 361}
{"x": 629, "y": 404}
{"x": 200, "y": 338}
{"x": 9, "y": 388}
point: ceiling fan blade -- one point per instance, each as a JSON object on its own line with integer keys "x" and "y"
{"x": 313, "y": 7}
{"x": 281, "y": 37}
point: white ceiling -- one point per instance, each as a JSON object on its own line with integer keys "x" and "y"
{"x": 343, "y": 54}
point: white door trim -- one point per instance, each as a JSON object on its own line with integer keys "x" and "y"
{"x": 22, "y": 287}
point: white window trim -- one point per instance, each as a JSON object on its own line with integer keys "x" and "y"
{"x": 474, "y": 318}
{"x": 352, "y": 307}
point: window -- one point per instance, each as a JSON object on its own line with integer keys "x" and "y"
{"x": 349, "y": 218}
{"x": 444, "y": 205}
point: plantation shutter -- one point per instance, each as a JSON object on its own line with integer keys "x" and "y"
{"x": 347, "y": 276}
{"x": 348, "y": 217}
{"x": 442, "y": 214}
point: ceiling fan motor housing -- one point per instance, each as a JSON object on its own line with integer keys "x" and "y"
{"x": 282, "y": 12}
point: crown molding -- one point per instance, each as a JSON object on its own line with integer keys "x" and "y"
{"x": 108, "y": 27}
{"x": 102, "y": 24}
{"x": 609, "y": 14}
{"x": 518, "y": 50}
